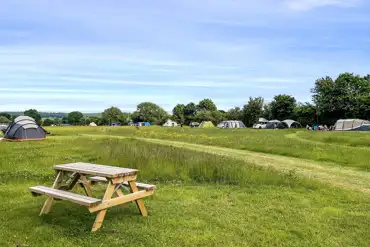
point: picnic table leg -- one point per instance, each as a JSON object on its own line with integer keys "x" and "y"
{"x": 119, "y": 192}
{"x": 101, "y": 214}
{"x": 139, "y": 203}
{"x": 49, "y": 201}
{"x": 86, "y": 185}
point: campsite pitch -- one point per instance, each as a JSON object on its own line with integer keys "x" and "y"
{"x": 203, "y": 198}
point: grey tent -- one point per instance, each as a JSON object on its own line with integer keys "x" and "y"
{"x": 352, "y": 125}
{"x": 231, "y": 124}
{"x": 24, "y": 128}
{"x": 272, "y": 124}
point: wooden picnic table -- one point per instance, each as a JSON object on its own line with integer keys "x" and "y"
{"x": 84, "y": 174}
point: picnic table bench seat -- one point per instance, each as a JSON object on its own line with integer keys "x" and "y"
{"x": 65, "y": 195}
{"x": 143, "y": 186}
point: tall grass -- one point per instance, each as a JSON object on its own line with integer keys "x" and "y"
{"x": 267, "y": 141}
{"x": 345, "y": 138}
{"x": 157, "y": 163}
{"x": 176, "y": 165}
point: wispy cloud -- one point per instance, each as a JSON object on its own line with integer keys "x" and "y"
{"x": 304, "y": 5}
{"x": 89, "y": 54}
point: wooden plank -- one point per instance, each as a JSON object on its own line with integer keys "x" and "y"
{"x": 139, "y": 203}
{"x": 119, "y": 192}
{"x": 98, "y": 170}
{"x": 49, "y": 202}
{"x": 144, "y": 186}
{"x": 139, "y": 185}
{"x": 86, "y": 185}
{"x": 121, "y": 200}
{"x": 98, "y": 179}
{"x": 101, "y": 214}
{"x": 120, "y": 180}
{"x": 65, "y": 195}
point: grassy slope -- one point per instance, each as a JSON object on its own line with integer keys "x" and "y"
{"x": 265, "y": 141}
{"x": 354, "y": 139}
{"x": 344, "y": 177}
{"x": 202, "y": 200}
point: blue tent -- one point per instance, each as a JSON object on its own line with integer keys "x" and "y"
{"x": 142, "y": 124}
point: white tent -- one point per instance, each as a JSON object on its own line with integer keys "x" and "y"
{"x": 291, "y": 123}
{"x": 170, "y": 123}
{"x": 93, "y": 124}
{"x": 352, "y": 124}
{"x": 262, "y": 120}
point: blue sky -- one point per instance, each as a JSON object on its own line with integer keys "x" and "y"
{"x": 88, "y": 55}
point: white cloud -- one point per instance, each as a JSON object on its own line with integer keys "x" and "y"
{"x": 305, "y": 5}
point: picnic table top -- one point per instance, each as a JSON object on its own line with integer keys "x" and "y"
{"x": 99, "y": 170}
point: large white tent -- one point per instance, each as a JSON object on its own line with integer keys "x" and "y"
{"x": 170, "y": 123}
{"x": 352, "y": 125}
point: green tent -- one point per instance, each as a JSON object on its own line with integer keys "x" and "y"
{"x": 206, "y": 124}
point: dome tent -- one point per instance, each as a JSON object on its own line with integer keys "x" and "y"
{"x": 170, "y": 123}
{"x": 24, "y": 128}
{"x": 206, "y": 124}
{"x": 194, "y": 124}
{"x": 352, "y": 125}
{"x": 262, "y": 120}
{"x": 231, "y": 124}
{"x": 92, "y": 124}
{"x": 272, "y": 124}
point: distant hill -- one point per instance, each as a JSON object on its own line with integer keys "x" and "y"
{"x": 55, "y": 114}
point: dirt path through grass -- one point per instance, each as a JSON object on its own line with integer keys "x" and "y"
{"x": 344, "y": 177}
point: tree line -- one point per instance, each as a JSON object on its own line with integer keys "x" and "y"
{"x": 347, "y": 96}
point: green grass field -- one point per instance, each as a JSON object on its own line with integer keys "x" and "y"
{"x": 214, "y": 188}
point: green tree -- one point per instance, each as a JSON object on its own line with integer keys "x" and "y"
{"x": 305, "y": 114}
{"x": 214, "y": 116}
{"x": 218, "y": 116}
{"x": 222, "y": 115}
{"x": 178, "y": 113}
{"x": 282, "y": 107}
{"x": 125, "y": 118}
{"x": 96, "y": 120}
{"x": 252, "y": 111}
{"x": 364, "y": 107}
{"x": 267, "y": 111}
{"x": 75, "y": 118}
{"x": 57, "y": 121}
{"x": 111, "y": 114}
{"x": 5, "y": 114}
{"x": 203, "y": 116}
{"x": 64, "y": 120}
{"x": 4, "y": 120}
{"x": 189, "y": 111}
{"x": 33, "y": 114}
{"x": 207, "y": 105}
{"x": 234, "y": 114}
{"x": 150, "y": 112}
{"x": 47, "y": 122}
{"x": 345, "y": 97}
